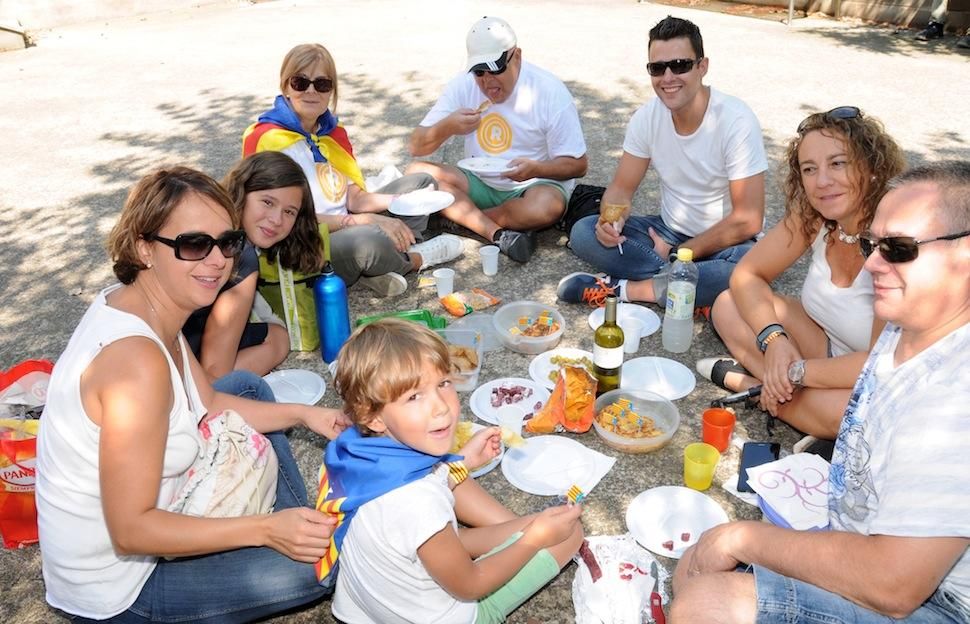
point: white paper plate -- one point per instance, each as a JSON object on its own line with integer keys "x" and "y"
{"x": 651, "y": 322}
{"x": 671, "y": 380}
{"x": 481, "y": 399}
{"x": 541, "y": 365}
{"x": 547, "y": 465}
{"x": 665, "y": 513}
{"x": 419, "y": 203}
{"x": 490, "y": 466}
{"x": 296, "y": 386}
{"x": 485, "y": 165}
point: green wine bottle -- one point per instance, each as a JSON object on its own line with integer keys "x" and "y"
{"x": 608, "y": 350}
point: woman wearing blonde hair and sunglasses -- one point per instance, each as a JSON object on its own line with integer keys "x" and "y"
{"x": 366, "y": 244}
{"x": 807, "y": 352}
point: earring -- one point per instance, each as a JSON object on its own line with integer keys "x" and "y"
{"x": 148, "y": 266}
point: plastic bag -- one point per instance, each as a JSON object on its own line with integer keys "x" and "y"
{"x": 570, "y": 407}
{"x": 18, "y": 459}
{"x": 621, "y": 592}
{"x": 466, "y": 302}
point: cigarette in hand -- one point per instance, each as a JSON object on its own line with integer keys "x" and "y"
{"x": 619, "y": 246}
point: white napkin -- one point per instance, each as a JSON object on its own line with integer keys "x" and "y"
{"x": 601, "y": 464}
{"x": 796, "y": 487}
{"x": 622, "y": 594}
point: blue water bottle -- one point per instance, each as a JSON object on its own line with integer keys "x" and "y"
{"x": 333, "y": 315}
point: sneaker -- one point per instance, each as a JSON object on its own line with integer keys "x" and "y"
{"x": 593, "y": 289}
{"x": 518, "y": 246}
{"x": 933, "y": 30}
{"x": 387, "y": 285}
{"x": 964, "y": 41}
{"x": 438, "y": 250}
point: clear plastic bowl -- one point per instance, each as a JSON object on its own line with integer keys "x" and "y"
{"x": 665, "y": 415}
{"x": 508, "y": 316}
{"x": 465, "y": 382}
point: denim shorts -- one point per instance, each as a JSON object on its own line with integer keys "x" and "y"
{"x": 485, "y": 197}
{"x": 783, "y": 600}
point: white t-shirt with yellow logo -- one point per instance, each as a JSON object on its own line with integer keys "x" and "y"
{"x": 327, "y": 184}
{"x": 538, "y": 121}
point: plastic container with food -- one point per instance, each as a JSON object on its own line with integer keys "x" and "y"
{"x": 467, "y": 356}
{"x": 635, "y": 413}
{"x": 528, "y": 326}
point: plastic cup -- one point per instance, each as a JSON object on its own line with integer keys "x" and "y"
{"x": 632, "y": 329}
{"x": 717, "y": 425}
{"x": 700, "y": 460}
{"x": 489, "y": 254}
{"x": 444, "y": 281}
{"x": 510, "y": 417}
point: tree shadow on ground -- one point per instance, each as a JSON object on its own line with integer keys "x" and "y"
{"x": 888, "y": 40}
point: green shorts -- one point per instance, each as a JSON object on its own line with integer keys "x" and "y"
{"x": 484, "y": 196}
{"x": 497, "y": 606}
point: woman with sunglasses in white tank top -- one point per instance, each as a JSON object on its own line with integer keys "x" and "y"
{"x": 807, "y": 351}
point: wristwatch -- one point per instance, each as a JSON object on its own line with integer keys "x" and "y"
{"x": 796, "y": 373}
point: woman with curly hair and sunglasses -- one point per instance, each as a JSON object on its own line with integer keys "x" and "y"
{"x": 807, "y": 351}
{"x": 366, "y": 243}
{"x": 128, "y": 428}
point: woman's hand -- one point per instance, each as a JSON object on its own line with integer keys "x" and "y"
{"x": 482, "y": 448}
{"x": 395, "y": 229}
{"x": 326, "y": 421}
{"x": 300, "y": 533}
{"x": 779, "y": 355}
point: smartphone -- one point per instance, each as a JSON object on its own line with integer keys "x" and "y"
{"x": 754, "y": 454}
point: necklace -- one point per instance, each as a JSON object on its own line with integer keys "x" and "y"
{"x": 177, "y": 347}
{"x": 849, "y": 239}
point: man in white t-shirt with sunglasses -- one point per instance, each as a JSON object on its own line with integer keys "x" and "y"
{"x": 521, "y": 115}
{"x": 708, "y": 151}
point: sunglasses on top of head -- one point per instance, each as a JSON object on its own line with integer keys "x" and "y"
{"x": 320, "y": 84}
{"x": 502, "y": 63}
{"x": 842, "y": 113}
{"x": 898, "y": 249}
{"x": 198, "y": 246}
{"x": 677, "y": 66}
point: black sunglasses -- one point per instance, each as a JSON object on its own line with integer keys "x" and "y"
{"x": 897, "y": 249}
{"x": 197, "y": 246}
{"x": 302, "y": 83}
{"x": 839, "y": 112}
{"x": 677, "y": 66}
{"x": 502, "y": 62}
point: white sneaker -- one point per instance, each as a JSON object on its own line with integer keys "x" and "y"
{"x": 440, "y": 249}
{"x": 387, "y": 285}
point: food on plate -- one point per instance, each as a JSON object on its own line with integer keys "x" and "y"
{"x": 611, "y": 213}
{"x": 668, "y": 545}
{"x": 483, "y": 106}
{"x": 619, "y": 417}
{"x": 571, "y": 405}
{"x": 464, "y": 359}
{"x": 542, "y": 325}
{"x": 511, "y": 438}
{"x": 685, "y": 537}
{"x": 558, "y": 361}
{"x": 509, "y": 395}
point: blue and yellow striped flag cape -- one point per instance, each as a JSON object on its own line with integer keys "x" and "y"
{"x": 358, "y": 469}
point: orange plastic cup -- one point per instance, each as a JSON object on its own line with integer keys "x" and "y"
{"x": 700, "y": 460}
{"x": 717, "y": 426}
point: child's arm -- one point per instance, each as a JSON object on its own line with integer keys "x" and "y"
{"x": 452, "y": 567}
{"x": 475, "y": 507}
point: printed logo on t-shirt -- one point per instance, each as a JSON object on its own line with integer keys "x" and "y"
{"x": 332, "y": 182}
{"x": 494, "y": 134}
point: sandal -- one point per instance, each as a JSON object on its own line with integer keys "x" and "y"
{"x": 715, "y": 368}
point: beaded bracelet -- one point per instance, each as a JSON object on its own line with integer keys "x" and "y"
{"x": 770, "y": 337}
{"x": 762, "y": 339}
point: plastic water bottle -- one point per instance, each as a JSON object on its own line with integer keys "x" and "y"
{"x": 678, "y": 328}
{"x": 333, "y": 315}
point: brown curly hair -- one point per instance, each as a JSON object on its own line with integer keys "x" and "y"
{"x": 302, "y": 249}
{"x": 148, "y": 207}
{"x": 873, "y": 154}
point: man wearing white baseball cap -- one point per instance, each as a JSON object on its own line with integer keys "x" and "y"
{"x": 524, "y": 145}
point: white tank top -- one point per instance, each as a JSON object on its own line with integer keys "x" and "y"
{"x": 845, "y": 314}
{"x": 82, "y": 574}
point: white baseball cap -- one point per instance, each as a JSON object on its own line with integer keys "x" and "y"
{"x": 488, "y": 39}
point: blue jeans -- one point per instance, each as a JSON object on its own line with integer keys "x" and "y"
{"x": 789, "y": 601}
{"x": 237, "y": 585}
{"x": 639, "y": 261}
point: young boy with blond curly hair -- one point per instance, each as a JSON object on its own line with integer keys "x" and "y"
{"x": 399, "y": 495}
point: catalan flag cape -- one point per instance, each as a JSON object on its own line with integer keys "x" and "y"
{"x": 358, "y": 469}
{"x": 279, "y": 128}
